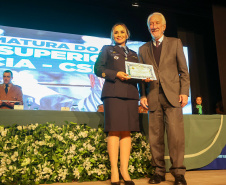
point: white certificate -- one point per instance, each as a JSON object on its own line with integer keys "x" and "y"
{"x": 140, "y": 71}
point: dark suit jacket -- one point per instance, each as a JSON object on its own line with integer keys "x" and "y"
{"x": 14, "y": 94}
{"x": 172, "y": 72}
{"x": 110, "y": 61}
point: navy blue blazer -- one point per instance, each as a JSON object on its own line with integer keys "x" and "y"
{"x": 110, "y": 61}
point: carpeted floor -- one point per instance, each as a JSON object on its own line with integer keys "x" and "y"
{"x": 204, "y": 177}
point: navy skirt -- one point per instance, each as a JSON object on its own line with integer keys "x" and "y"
{"x": 121, "y": 115}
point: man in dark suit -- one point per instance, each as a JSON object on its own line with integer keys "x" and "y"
{"x": 9, "y": 94}
{"x": 165, "y": 98}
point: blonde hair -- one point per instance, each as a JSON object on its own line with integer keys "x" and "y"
{"x": 119, "y": 24}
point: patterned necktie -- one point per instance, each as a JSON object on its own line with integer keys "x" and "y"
{"x": 157, "y": 43}
{"x": 125, "y": 50}
{"x": 6, "y": 88}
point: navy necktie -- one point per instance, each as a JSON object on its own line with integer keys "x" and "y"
{"x": 6, "y": 88}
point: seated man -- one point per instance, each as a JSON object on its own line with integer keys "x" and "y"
{"x": 9, "y": 94}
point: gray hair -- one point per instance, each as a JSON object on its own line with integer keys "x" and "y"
{"x": 155, "y": 13}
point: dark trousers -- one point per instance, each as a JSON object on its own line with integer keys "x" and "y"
{"x": 170, "y": 118}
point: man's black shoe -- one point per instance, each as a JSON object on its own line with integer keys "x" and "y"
{"x": 156, "y": 179}
{"x": 180, "y": 180}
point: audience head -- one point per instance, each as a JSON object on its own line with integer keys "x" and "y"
{"x": 198, "y": 100}
{"x": 219, "y": 107}
{"x": 100, "y": 108}
{"x": 142, "y": 109}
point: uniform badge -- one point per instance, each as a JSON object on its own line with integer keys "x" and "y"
{"x": 103, "y": 75}
{"x": 116, "y": 57}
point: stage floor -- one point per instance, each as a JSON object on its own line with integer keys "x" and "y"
{"x": 201, "y": 177}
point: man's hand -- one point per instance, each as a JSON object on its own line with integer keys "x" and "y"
{"x": 122, "y": 76}
{"x": 9, "y": 104}
{"x": 183, "y": 99}
{"x": 144, "y": 102}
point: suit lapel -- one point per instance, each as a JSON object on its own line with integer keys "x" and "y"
{"x": 151, "y": 54}
{"x": 2, "y": 89}
{"x": 164, "y": 49}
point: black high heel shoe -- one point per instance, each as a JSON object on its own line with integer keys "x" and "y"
{"x": 115, "y": 183}
{"x": 126, "y": 182}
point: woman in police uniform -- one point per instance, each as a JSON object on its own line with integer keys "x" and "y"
{"x": 120, "y": 97}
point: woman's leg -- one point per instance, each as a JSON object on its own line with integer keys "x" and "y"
{"x": 125, "y": 147}
{"x": 113, "y": 149}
